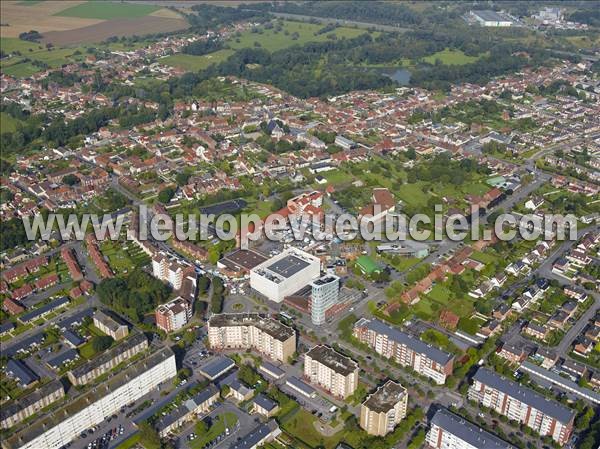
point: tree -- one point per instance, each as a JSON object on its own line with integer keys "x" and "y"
{"x": 203, "y": 285}
{"x": 201, "y": 427}
{"x": 182, "y": 178}
{"x": 166, "y": 194}
{"x": 102, "y": 342}
{"x": 71, "y": 180}
{"x": 225, "y": 389}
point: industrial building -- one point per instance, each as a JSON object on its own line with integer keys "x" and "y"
{"x": 488, "y": 18}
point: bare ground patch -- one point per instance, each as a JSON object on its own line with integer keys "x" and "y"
{"x": 167, "y": 14}
{"x": 117, "y": 27}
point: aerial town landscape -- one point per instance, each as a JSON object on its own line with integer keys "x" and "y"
{"x": 141, "y": 111}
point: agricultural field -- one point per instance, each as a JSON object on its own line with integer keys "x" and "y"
{"x": 273, "y": 40}
{"x": 74, "y": 22}
{"x": 194, "y": 63}
{"x": 116, "y": 27}
{"x": 107, "y": 10}
{"x": 21, "y": 16}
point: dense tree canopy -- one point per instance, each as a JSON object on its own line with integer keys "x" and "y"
{"x": 134, "y": 295}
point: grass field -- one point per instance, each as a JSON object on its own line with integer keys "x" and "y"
{"x": 195, "y": 63}
{"x": 8, "y": 123}
{"x": 17, "y": 66}
{"x": 301, "y": 426}
{"x": 12, "y": 44}
{"x": 583, "y": 41}
{"x": 451, "y": 57}
{"x": 108, "y": 10}
{"x": 272, "y": 40}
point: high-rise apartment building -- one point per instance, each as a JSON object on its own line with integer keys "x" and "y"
{"x": 173, "y": 315}
{"x": 330, "y": 370}
{"x": 384, "y": 409}
{"x": 324, "y": 295}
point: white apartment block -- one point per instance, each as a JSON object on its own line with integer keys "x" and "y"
{"x": 383, "y": 410}
{"x": 331, "y": 371}
{"x": 169, "y": 271}
{"x": 284, "y": 274}
{"x": 252, "y": 331}
{"x": 450, "y": 431}
{"x": 91, "y": 408}
{"x": 405, "y": 349}
{"x": 547, "y": 417}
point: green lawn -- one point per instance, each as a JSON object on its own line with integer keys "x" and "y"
{"x": 451, "y": 57}
{"x": 484, "y": 258}
{"x": 440, "y": 294}
{"x": 8, "y": 123}
{"x": 336, "y": 177}
{"x": 10, "y": 44}
{"x": 195, "y": 63}
{"x": 412, "y": 194}
{"x": 228, "y": 419}
{"x": 130, "y": 442}
{"x": 301, "y": 426}
{"x": 87, "y": 351}
{"x": 108, "y": 10}
{"x": 272, "y": 40}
